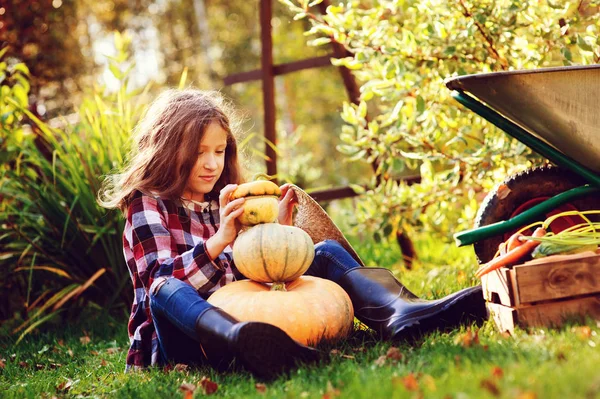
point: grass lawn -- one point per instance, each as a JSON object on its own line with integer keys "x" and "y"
{"x": 86, "y": 359}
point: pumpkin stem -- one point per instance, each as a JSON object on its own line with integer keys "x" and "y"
{"x": 262, "y": 176}
{"x": 278, "y": 287}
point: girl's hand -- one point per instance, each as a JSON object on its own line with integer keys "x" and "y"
{"x": 229, "y": 227}
{"x": 286, "y": 204}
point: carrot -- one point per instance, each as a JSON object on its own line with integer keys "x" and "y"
{"x": 513, "y": 255}
{"x": 513, "y": 242}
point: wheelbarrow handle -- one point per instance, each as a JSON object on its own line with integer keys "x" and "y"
{"x": 529, "y": 216}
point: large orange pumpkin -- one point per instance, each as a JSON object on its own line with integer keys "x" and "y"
{"x": 309, "y": 310}
{"x": 271, "y": 252}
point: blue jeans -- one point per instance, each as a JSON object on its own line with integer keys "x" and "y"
{"x": 177, "y": 305}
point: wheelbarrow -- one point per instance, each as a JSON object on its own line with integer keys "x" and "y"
{"x": 556, "y": 113}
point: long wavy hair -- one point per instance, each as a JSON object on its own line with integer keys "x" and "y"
{"x": 166, "y": 144}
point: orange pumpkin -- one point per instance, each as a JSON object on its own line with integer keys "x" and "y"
{"x": 271, "y": 252}
{"x": 309, "y": 309}
{"x": 261, "y": 205}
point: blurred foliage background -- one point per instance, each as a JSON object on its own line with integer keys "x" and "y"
{"x": 76, "y": 75}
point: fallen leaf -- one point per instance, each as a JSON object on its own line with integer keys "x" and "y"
{"x": 209, "y": 387}
{"x": 85, "y": 340}
{"x": 497, "y": 372}
{"x": 490, "y": 386}
{"x": 561, "y": 357}
{"x": 428, "y": 381}
{"x": 70, "y": 352}
{"x": 54, "y": 366}
{"x": 410, "y": 382}
{"x": 180, "y": 367}
{"x": 468, "y": 338}
{"x": 13, "y": 357}
{"x": 583, "y": 332}
{"x": 527, "y": 395}
{"x": 23, "y": 364}
{"x": 394, "y": 354}
{"x": 112, "y": 351}
{"x": 39, "y": 366}
{"x": 187, "y": 389}
{"x": 260, "y": 387}
{"x": 64, "y": 386}
{"x": 380, "y": 361}
{"x": 103, "y": 363}
{"x": 60, "y": 342}
{"x": 331, "y": 391}
{"x": 2, "y": 363}
{"x": 95, "y": 353}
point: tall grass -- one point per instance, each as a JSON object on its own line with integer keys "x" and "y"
{"x": 67, "y": 248}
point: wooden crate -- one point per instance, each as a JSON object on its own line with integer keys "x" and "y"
{"x": 544, "y": 292}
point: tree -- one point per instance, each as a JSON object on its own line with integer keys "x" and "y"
{"x": 402, "y": 50}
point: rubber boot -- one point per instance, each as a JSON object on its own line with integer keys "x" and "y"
{"x": 381, "y": 302}
{"x": 263, "y": 349}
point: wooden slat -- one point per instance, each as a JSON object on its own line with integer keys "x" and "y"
{"x": 279, "y": 69}
{"x": 554, "y": 314}
{"x": 566, "y": 277}
{"x": 504, "y": 317}
{"x": 550, "y": 314}
{"x": 268, "y": 83}
{"x": 347, "y": 192}
{"x": 308, "y": 63}
{"x": 497, "y": 287}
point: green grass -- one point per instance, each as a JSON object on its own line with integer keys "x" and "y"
{"x": 540, "y": 363}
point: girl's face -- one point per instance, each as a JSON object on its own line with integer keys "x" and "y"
{"x": 209, "y": 164}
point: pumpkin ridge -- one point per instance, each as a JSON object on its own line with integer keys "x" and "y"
{"x": 302, "y": 264}
{"x": 262, "y": 255}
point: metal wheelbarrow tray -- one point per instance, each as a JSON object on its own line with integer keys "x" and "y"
{"x": 554, "y": 111}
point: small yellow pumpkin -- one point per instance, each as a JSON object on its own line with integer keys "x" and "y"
{"x": 261, "y": 205}
{"x": 271, "y": 252}
{"x": 309, "y": 309}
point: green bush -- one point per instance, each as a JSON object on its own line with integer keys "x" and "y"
{"x": 65, "y": 248}
{"x": 401, "y": 51}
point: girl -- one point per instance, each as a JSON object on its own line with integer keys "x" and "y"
{"x": 177, "y": 244}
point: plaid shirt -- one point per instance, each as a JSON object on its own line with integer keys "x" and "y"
{"x": 164, "y": 239}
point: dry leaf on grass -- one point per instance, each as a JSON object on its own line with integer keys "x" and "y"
{"x": 85, "y": 340}
{"x": 490, "y": 386}
{"x": 467, "y": 339}
{"x": 260, "y": 387}
{"x": 497, "y": 372}
{"x": 64, "y": 386}
{"x": 527, "y": 395}
{"x": 409, "y": 382}
{"x": 582, "y": 332}
{"x": 331, "y": 391}
{"x": 380, "y": 361}
{"x": 208, "y": 386}
{"x": 187, "y": 389}
{"x": 394, "y": 354}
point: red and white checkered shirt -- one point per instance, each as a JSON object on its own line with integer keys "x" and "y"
{"x": 162, "y": 238}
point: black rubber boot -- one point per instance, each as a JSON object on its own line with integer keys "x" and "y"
{"x": 381, "y": 302}
{"x": 263, "y": 349}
